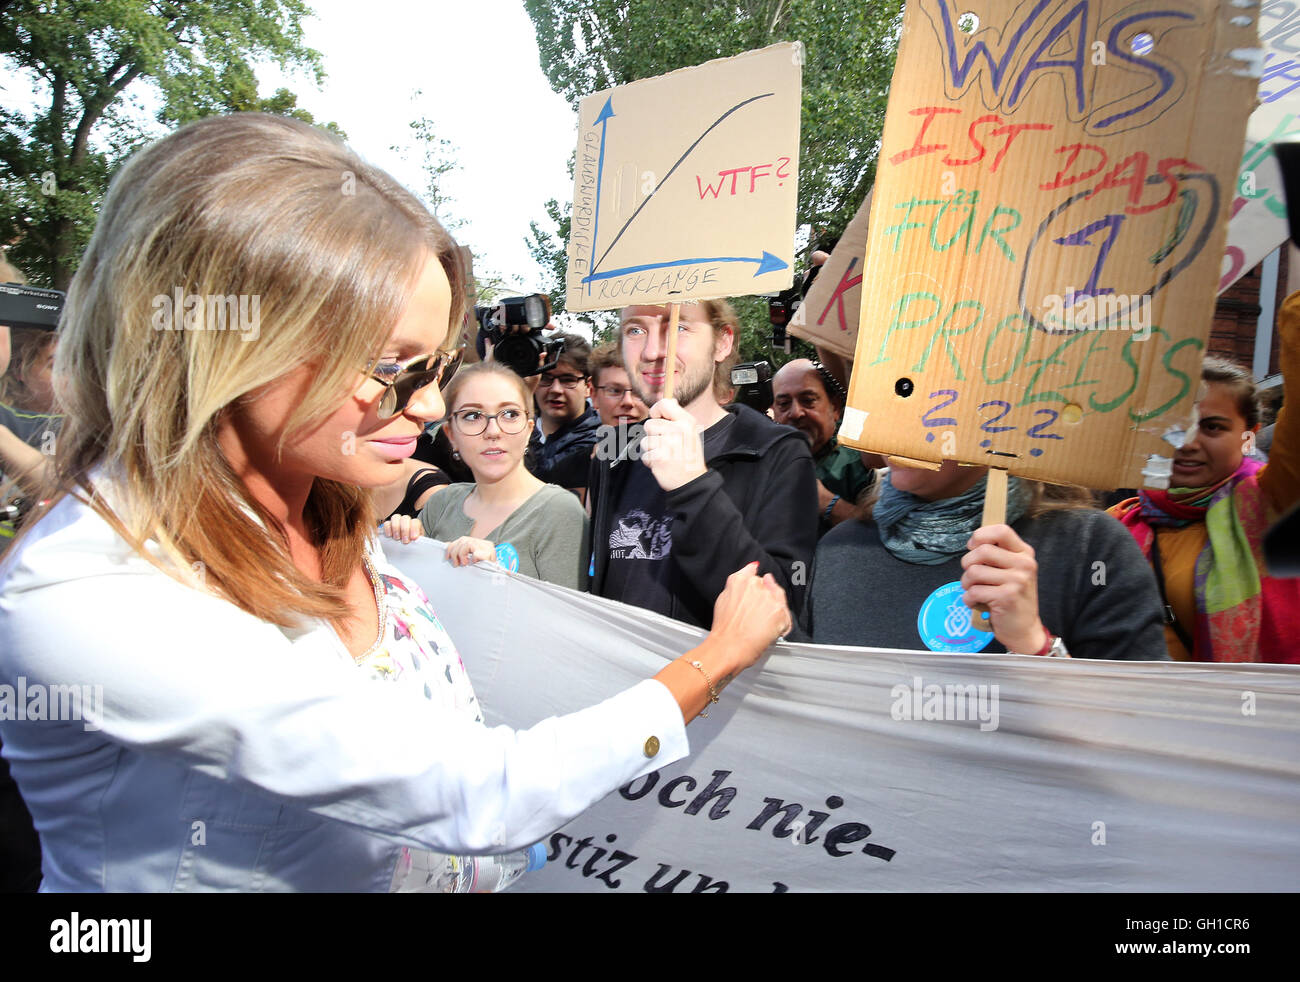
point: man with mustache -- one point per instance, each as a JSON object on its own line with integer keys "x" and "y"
{"x": 807, "y": 397}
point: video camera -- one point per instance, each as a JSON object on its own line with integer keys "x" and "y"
{"x": 513, "y": 326}
{"x": 30, "y": 307}
{"x": 753, "y": 384}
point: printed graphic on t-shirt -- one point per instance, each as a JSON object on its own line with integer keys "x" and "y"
{"x": 638, "y": 536}
{"x": 945, "y": 623}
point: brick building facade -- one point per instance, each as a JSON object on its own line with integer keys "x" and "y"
{"x": 1236, "y": 314}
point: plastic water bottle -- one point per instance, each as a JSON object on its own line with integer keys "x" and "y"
{"x": 492, "y": 874}
{"x": 433, "y": 872}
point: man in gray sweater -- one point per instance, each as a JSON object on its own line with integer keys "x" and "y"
{"x": 1095, "y": 594}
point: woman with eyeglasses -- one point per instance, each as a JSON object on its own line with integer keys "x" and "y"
{"x": 252, "y": 697}
{"x": 505, "y": 515}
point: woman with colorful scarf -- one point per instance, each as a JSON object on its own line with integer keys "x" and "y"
{"x": 1059, "y": 578}
{"x": 1203, "y": 536}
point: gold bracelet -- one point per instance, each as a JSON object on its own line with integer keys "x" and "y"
{"x": 713, "y": 693}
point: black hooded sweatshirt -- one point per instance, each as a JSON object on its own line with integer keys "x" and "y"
{"x": 757, "y": 502}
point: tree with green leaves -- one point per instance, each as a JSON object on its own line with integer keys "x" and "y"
{"x": 850, "y": 45}
{"x": 87, "y": 61}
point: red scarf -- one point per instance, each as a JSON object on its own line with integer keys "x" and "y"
{"x": 1265, "y": 627}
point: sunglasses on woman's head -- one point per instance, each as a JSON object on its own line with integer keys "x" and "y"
{"x": 402, "y": 380}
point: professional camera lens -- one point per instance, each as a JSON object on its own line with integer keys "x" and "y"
{"x": 536, "y": 311}
{"x": 519, "y": 353}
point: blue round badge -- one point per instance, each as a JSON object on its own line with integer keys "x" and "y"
{"x": 945, "y": 623}
{"x": 508, "y": 557}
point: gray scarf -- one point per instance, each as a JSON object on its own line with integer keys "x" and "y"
{"x": 932, "y": 532}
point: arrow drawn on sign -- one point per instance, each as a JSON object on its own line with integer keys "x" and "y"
{"x": 689, "y": 150}
{"x": 767, "y": 263}
{"x": 603, "y": 120}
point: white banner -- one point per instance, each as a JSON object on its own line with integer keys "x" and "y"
{"x": 828, "y": 768}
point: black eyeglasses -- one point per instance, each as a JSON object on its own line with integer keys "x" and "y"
{"x": 615, "y": 391}
{"x": 403, "y": 379}
{"x": 568, "y": 381}
{"x": 472, "y": 422}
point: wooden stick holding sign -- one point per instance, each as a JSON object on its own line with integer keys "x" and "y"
{"x": 686, "y": 187}
{"x": 995, "y": 513}
{"x": 670, "y": 358}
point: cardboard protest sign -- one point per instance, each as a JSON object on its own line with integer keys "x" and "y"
{"x": 1259, "y": 223}
{"x": 829, "y": 313}
{"x": 829, "y": 768}
{"x": 685, "y": 185}
{"x": 1048, "y": 220}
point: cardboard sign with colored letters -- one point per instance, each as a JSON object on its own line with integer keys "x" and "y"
{"x": 828, "y": 316}
{"x": 1258, "y": 224}
{"x": 1046, "y": 233}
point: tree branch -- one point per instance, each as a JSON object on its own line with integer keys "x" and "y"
{"x": 58, "y": 107}
{"x": 94, "y": 108}
{"x": 776, "y": 17}
{"x": 32, "y": 233}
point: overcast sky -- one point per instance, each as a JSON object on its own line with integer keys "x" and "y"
{"x": 475, "y": 64}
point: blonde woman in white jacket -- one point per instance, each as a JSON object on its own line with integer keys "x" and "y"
{"x": 253, "y": 338}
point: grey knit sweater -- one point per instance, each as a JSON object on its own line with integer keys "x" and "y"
{"x": 1094, "y": 590}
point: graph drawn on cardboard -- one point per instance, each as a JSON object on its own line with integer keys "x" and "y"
{"x": 685, "y": 185}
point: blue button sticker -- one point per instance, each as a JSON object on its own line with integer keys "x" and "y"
{"x": 945, "y": 623}
{"x": 508, "y": 557}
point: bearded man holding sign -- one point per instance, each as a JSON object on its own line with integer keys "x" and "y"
{"x": 699, "y": 489}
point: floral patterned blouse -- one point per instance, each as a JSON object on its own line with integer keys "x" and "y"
{"x": 415, "y": 650}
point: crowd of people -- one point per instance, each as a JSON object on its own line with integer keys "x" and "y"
{"x": 265, "y": 672}
{"x": 211, "y": 507}
{"x": 883, "y": 554}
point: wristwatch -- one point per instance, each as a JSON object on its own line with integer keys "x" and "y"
{"x": 1054, "y": 647}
